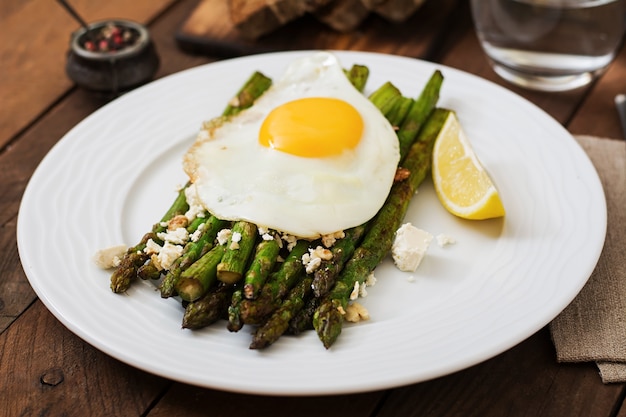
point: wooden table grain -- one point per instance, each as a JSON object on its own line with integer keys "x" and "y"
{"x": 45, "y": 370}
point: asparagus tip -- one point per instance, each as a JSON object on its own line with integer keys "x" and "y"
{"x": 328, "y": 323}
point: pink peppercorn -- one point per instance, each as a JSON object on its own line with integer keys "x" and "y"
{"x": 109, "y": 38}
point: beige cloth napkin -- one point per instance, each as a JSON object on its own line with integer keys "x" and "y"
{"x": 593, "y": 326}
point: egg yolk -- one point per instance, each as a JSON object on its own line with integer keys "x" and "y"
{"x": 312, "y": 127}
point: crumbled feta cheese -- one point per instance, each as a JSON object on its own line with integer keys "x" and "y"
{"x": 265, "y": 233}
{"x": 290, "y": 240}
{"x": 356, "y": 312}
{"x": 267, "y": 237}
{"x": 363, "y": 290}
{"x": 223, "y": 236}
{"x": 314, "y": 258}
{"x": 359, "y": 289}
{"x": 235, "y": 238}
{"x": 152, "y": 247}
{"x": 178, "y": 236}
{"x": 196, "y": 235}
{"x": 110, "y": 257}
{"x": 163, "y": 256}
{"x": 177, "y": 221}
{"x": 330, "y": 239}
{"x": 370, "y": 281}
{"x": 411, "y": 278}
{"x": 409, "y": 247}
{"x": 321, "y": 253}
{"x": 154, "y": 258}
{"x": 168, "y": 254}
{"x": 443, "y": 240}
{"x": 355, "y": 291}
{"x": 310, "y": 263}
{"x": 196, "y": 209}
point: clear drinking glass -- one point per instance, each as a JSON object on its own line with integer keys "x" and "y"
{"x": 550, "y": 45}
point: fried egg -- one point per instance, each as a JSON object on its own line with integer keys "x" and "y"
{"x": 311, "y": 157}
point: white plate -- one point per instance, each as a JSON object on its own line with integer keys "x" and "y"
{"x": 112, "y": 176}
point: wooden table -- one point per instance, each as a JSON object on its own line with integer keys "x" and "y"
{"x": 47, "y": 370}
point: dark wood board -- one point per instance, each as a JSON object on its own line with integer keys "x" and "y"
{"x": 207, "y": 31}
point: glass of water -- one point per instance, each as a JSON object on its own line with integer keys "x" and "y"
{"x": 550, "y": 45}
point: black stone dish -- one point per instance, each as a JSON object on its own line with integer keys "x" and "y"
{"x": 112, "y": 70}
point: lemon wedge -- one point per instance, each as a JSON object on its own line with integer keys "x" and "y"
{"x": 463, "y": 186}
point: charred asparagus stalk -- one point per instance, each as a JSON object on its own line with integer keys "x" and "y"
{"x": 148, "y": 271}
{"x": 303, "y": 319}
{"x": 358, "y": 75}
{"x": 253, "y": 88}
{"x": 234, "y": 311}
{"x": 328, "y": 319}
{"x": 135, "y": 257}
{"x": 209, "y": 308}
{"x": 276, "y": 287}
{"x": 419, "y": 112}
{"x": 264, "y": 260}
{"x": 278, "y": 322}
{"x": 326, "y": 275}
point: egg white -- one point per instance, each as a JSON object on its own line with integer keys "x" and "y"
{"x": 236, "y": 178}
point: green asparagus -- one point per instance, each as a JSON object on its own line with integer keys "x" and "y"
{"x": 358, "y": 75}
{"x": 191, "y": 253}
{"x": 419, "y": 112}
{"x": 303, "y": 319}
{"x": 326, "y": 275}
{"x": 279, "y": 320}
{"x": 234, "y": 311}
{"x": 238, "y": 250}
{"x": 124, "y": 274}
{"x": 264, "y": 260}
{"x": 401, "y": 108}
{"x": 328, "y": 318}
{"x": 276, "y": 287}
{"x": 384, "y": 98}
{"x": 253, "y": 88}
{"x": 148, "y": 271}
{"x": 209, "y": 308}
{"x": 200, "y": 276}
